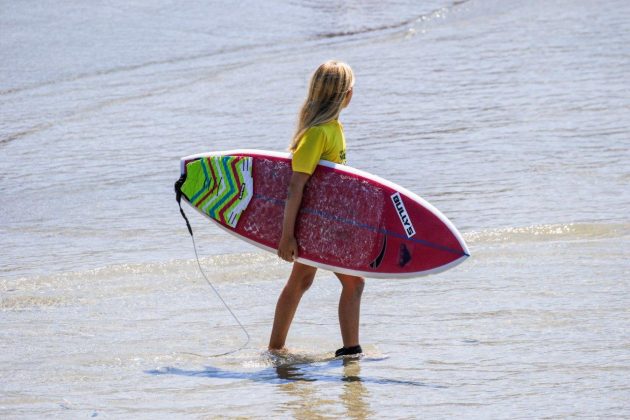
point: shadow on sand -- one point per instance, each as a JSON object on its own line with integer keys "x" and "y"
{"x": 280, "y": 373}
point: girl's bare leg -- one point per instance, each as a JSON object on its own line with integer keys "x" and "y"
{"x": 350, "y": 308}
{"x": 299, "y": 281}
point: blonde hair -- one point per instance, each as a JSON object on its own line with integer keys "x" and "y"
{"x": 329, "y": 87}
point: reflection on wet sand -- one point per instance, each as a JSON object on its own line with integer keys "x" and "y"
{"x": 314, "y": 386}
{"x": 354, "y": 395}
{"x": 309, "y": 401}
{"x": 305, "y": 401}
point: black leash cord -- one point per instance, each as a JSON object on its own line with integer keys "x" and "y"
{"x": 178, "y": 197}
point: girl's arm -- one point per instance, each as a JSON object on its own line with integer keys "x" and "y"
{"x": 288, "y": 249}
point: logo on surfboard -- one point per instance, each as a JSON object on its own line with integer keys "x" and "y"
{"x": 403, "y": 215}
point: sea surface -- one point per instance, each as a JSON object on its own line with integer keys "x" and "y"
{"x": 512, "y": 117}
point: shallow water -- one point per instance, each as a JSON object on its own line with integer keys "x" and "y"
{"x": 510, "y": 117}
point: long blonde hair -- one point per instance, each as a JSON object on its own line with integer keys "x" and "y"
{"x": 329, "y": 87}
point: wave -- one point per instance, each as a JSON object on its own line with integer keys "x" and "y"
{"x": 18, "y": 303}
{"x": 550, "y": 232}
{"x": 224, "y": 267}
{"x": 59, "y": 289}
{"x": 404, "y": 24}
{"x": 179, "y": 59}
{"x": 276, "y": 45}
{"x": 137, "y": 279}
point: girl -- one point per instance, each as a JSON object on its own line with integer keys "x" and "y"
{"x": 319, "y": 135}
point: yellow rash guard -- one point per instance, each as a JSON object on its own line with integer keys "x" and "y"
{"x": 325, "y": 141}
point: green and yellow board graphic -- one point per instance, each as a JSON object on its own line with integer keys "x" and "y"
{"x": 220, "y": 186}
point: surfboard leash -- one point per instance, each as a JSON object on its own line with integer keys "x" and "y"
{"x": 178, "y": 197}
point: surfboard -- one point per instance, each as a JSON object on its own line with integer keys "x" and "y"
{"x": 350, "y": 221}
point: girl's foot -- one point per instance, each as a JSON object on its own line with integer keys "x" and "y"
{"x": 278, "y": 352}
{"x": 348, "y": 351}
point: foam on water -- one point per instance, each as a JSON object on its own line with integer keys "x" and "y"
{"x": 263, "y": 266}
{"x": 554, "y": 232}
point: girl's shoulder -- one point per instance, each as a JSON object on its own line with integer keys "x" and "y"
{"x": 315, "y": 131}
{"x": 327, "y": 127}
{"x": 324, "y": 131}
{"x": 331, "y": 123}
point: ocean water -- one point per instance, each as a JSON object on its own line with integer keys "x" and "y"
{"x": 512, "y": 117}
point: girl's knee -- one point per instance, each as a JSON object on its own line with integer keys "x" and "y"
{"x": 302, "y": 277}
{"x": 353, "y": 284}
{"x": 298, "y": 286}
{"x": 306, "y": 282}
{"x": 359, "y": 285}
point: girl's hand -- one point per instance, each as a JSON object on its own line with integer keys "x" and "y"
{"x": 288, "y": 248}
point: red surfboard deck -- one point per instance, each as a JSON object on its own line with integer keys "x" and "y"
{"x": 350, "y": 221}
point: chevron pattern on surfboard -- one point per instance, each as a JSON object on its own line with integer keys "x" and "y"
{"x": 220, "y": 186}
